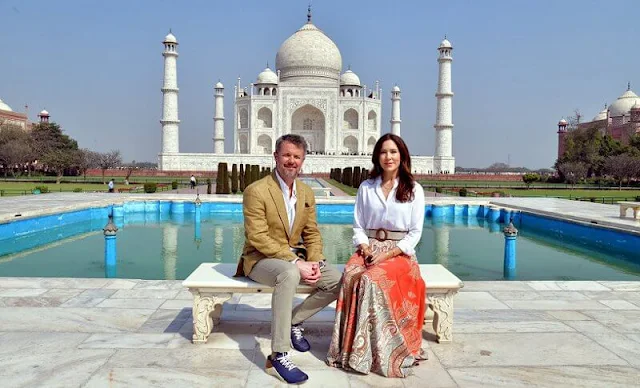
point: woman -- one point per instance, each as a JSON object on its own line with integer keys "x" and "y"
{"x": 380, "y": 309}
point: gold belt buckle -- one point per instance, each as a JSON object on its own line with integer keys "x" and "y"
{"x": 381, "y": 234}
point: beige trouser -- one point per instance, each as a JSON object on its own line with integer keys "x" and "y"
{"x": 285, "y": 277}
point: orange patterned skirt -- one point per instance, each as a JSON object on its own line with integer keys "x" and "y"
{"x": 379, "y": 315}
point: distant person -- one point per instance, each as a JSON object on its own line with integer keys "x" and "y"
{"x": 193, "y": 181}
{"x": 111, "y": 186}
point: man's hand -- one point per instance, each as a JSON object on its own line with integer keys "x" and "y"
{"x": 309, "y": 271}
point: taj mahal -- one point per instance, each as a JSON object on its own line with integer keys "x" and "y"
{"x": 307, "y": 94}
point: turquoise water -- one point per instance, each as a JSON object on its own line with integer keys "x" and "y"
{"x": 148, "y": 248}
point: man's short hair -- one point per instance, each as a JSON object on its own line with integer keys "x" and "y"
{"x": 294, "y": 139}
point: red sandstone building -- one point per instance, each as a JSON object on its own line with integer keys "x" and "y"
{"x": 21, "y": 120}
{"x": 621, "y": 120}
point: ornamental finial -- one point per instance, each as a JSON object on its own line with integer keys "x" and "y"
{"x": 309, "y": 13}
{"x": 628, "y": 85}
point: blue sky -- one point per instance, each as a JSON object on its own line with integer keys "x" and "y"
{"x": 519, "y": 66}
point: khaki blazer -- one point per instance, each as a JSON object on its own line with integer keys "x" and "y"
{"x": 266, "y": 226}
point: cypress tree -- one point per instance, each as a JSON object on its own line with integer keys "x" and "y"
{"x": 234, "y": 178}
{"x": 242, "y": 186}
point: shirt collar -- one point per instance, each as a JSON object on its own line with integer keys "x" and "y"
{"x": 283, "y": 185}
{"x": 395, "y": 181}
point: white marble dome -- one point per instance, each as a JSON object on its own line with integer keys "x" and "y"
{"x": 349, "y": 78}
{"x": 602, "y": 115}
{"x": 4, "y": 106}
{"x": 267, "y": 76}
{"x": 219, "y": 85}
{"x": 44, "y": 113}
{"x": 170, "y": 38}
{"x": 395, "y": 88}
{"x": 623, "y": 104}
{"x": 562, "y": 122}
{"x": 309, "y": 53}
{"x": 445, "y": 44}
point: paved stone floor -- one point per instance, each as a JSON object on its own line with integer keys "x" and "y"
{"x": 135, "y": 333}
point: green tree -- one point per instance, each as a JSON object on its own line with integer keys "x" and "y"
{"x": 573, "y": 172}
{"x": 56, "y": 151}
{"x": 622, "y": 167}
{"x": 234, "y": 178}
{"x": 529, "y": 178}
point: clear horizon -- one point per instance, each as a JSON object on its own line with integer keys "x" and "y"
{"x": 518, "y": 67}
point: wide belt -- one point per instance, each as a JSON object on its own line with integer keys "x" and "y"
{"x": 384, "y": 234}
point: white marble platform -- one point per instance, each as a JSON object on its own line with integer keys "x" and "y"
{"x": 124, "y": 332}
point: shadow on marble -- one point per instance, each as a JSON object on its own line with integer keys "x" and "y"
{"x": 165, "y": 377}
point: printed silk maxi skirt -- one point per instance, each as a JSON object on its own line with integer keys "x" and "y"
{"x": 379, "y": 315}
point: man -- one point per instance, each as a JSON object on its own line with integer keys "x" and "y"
{"x": 110, "y": 185}
{"x": 283, "y": 247}
{"x": 193, "y": 181}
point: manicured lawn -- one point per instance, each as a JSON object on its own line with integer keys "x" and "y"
{"x": 347, "y": 189}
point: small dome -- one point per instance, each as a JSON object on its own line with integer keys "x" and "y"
{"x": 219, "y": 85}
{"x": 309, "y": 53}
{"x": 349, "y": 78}
{"x": 44, "y": 113}
{"x": 602, "y": 115}
{"x": 445, "y": 44}
{"x": 623, "y": 104}
{"x": 4, "y": 106}
{"x": 562, "y": 122}
{"x": 395, "y": 88}
{"x": 170, "y": 38}
{"x": 267, "y": 77}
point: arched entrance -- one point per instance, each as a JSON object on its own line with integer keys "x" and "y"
{"x": 309, "y": 122}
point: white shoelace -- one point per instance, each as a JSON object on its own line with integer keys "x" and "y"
{"x": 297, "y": 332}
{"x": 286, "y": 362}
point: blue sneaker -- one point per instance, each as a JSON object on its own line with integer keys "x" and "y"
{"x": 298, "y": 341}
{"x": 283, "y": 368}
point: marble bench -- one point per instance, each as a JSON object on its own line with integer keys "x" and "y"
{"x": 624, "y": 206}
{"x": 212, "y": 284}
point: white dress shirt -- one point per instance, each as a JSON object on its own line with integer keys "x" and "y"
{"x": 373, "y": 211}
{"x": 289, "y": 200}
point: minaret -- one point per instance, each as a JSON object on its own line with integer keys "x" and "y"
{"x": 444, "y": 124}
{"x": 218, "y": 120}
{"x": 562, "y": 134}
{"x": 44, "y": 116}
{"x": 395, "y": 110}
{"x": 170, "y": 122}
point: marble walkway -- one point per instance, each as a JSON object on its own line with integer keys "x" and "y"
{"x": 135, "y": 333}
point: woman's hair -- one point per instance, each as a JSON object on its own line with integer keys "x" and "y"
{"x": 406, "y": 183}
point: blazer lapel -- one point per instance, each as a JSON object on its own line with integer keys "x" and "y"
{"x": 300, "y": 201}
{"x": 278, "y": 199}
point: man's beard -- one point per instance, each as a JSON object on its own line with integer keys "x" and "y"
{"x": 293, "y": 174}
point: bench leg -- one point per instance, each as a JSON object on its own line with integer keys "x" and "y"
{"x": 207, "y": 308}
{"x": 623, "y": 212}
{"x": 442, "y": 305}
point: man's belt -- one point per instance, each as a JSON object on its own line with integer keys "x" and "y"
{"x": 382, "y": 234}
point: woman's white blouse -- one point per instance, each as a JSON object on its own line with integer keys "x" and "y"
{"x": 373, "y": 211}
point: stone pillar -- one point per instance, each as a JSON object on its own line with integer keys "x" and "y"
{"x": 510, "y": 235}
{"x": 110, "y": 231}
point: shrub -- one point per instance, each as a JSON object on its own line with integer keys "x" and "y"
{"x": 255, "y": 173}
{"x": 337, "y": 175}
{"x": 529, "y": 178}
{"x": 346, "y": 176}
{"x": 174, "y": 185}
{"x": 226, "y": 180}
{"x": 222, "y": 167}
{"x": 241, "y": 177}
{"x": 438, "y": 189}
{"x": 462, "y": 192}
{"x": 77, "y": 190}
{"x": 150, "y": 187}
{"x": 638, "y": 198}
{"x": 43, "y": 189}
{"x": 234, "y": 178}
{"x": 355, "y": 181}
{"x": 247, "y": 175}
